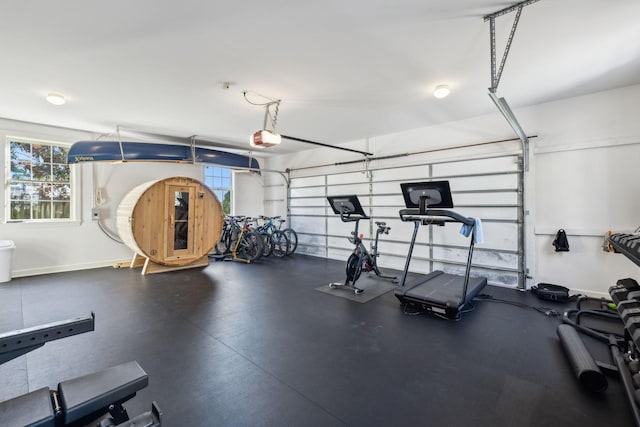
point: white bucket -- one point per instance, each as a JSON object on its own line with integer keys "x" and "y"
{"x": 6, "y": 254}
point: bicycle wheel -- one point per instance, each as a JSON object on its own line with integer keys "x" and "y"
{"x": 250, "y": 246}
{"x": 223, "y": 246}
{"x": 354, "y": 268}
{"x": 293, "y": 240}
{"x": 279, "y": 243}
{"x": 266, "y": 243}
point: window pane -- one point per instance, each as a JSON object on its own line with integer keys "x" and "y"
{"x": 61, "y": 192}
{"x": 61, "y": 210}
{"x": 20, "y": 210}
{"x": 42, "y": 192}
{"x": 226, "y": 202}
{"x": 181, "y": 226}
{"x": 21, "y": 191}
{"x": 41, "y": 210}
{"x": 20, "y": 169}
{"x": 181, "y": 204}
{"x": 41, "y": 153}
{"x": 59, "y": 154}
{"x": 20, "y": 151}
{"x": 42, "y": 172}
{"x": 219, "y": 180}
{"x": 61, "y": 173}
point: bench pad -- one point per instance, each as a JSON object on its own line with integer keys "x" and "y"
{"x": 84, "y": 396}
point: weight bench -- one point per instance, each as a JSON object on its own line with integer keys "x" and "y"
{"x": 95, "y": 398}
{"x": 81, "y": 400}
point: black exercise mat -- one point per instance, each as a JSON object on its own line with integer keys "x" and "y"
{"x": 372, "y": 285}
{"x": 289, "y": 357}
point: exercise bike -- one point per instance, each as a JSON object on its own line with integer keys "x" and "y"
{"x": 350, "y": 210}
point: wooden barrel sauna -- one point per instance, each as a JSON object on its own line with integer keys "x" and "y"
{"x": 173, "y": 221}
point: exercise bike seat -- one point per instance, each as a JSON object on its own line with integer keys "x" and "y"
{"x": 87, "y": 396}
{"x": 31, "y": 409}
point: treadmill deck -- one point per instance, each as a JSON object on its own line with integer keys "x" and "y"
{"x": 441, "y": 293}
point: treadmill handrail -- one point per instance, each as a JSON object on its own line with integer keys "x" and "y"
{"x": 436, "y": 215}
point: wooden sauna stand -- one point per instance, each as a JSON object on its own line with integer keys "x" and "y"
{"x": 150, "y": 267}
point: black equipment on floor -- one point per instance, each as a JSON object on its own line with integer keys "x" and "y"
{"x": 350, "y": 210}
{"x": 584, "y": 365}
{"x": 601, "y": 319}
{"x": 93, "y": 399}
{"x": 438, "y": 292}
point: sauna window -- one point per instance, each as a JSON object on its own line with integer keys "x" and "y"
{"x": 181, "y": 215}
{"x": 40, "y": 182}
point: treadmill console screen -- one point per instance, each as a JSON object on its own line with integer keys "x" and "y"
{"x": 435, "y": 194}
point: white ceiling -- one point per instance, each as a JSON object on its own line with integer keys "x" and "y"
{"x": 345, "y": 70}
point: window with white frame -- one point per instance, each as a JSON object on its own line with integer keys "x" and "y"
{"x": 39, "y": 181}
{"x": 219, "y": 180}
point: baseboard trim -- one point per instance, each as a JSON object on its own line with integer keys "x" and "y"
{"x": 62, "y": 268}
{"x": 590, "y": 293}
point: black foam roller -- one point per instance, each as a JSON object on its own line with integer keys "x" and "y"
{"x": 581, "y": 361}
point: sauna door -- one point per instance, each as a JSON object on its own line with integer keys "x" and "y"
{"x": 181, "y": 202}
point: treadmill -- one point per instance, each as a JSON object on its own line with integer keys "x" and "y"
{"x": 439, "y": 293}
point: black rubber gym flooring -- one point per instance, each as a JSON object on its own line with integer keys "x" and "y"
{"x": 249, "y": 345}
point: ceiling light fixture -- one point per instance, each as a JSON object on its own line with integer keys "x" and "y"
{"x": 441, "y": 91}
{"x": 56, "y": 99}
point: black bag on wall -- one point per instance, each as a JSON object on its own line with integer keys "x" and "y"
{"x": 561, "y": 243}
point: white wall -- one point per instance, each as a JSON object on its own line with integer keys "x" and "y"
{"x": 248, "y": 194}
{"x": 52, "y": 247}
{"x": 586, "y": 182}
{"x": 585, "y": 145}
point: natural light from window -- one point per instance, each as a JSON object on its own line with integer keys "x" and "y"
{"x": 219, "y": 180}
{"x": 39, "y": 181}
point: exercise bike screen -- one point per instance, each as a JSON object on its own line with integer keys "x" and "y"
{"x": 346, "y": 204}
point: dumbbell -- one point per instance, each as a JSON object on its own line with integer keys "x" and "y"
{"x": 625, "y": 289}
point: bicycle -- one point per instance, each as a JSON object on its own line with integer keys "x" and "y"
{"x": 291, "y": 235}
{"x": 223, "y": 246}
{"x": 238, "y": 242}
{"x": 249, "y": 245}
{"x": 360, "y": 258}
{"x": 278, "y": 242}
